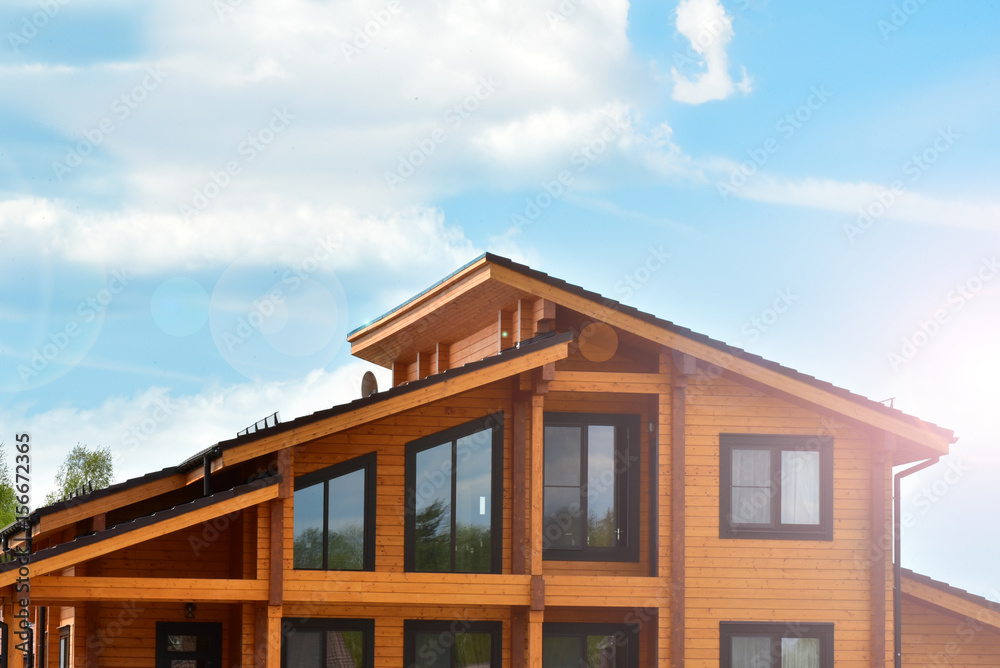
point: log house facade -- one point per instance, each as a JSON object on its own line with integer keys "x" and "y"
{"x": 554, "y": 478}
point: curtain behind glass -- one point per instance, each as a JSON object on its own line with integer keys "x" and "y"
{"x": 752, "y": 652}
{"x": 800, "y": 652}
{"x": 799, "y": 487}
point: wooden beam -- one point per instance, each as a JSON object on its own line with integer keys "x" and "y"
{"x": 537, "y": 592}
{"x": 142, "y": 534}
{"x": 276, "y": 547}
{"x": 274, "y": 636}
{"x": 518, "y": 637}
{"x": 951, "y": 604}
{"x": 536, "y": 482}
{"x": 406, "y": 589}
{"x": 724, "y": 360}
{"x": 48, "y": 524}
{"x": 71, "y": 590}
{"x": 520, "y": 498}
{"x": 600, "y": 381}
{"x": 421, "y": 306}
{"x": 536, "y": 618}
{"x": 684, "y": 366}
{"x": 388, "y": 407}
{"x": 284, "y": 462}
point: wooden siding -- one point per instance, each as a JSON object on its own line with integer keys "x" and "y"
{"x": 933, "y": 638}
{"x": 775, "y": 580}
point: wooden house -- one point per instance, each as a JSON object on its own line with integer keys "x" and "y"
{"x": 554, "y": 479}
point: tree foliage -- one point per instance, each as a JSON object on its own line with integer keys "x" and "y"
{"x": 82, "y": 467}
{"x": 7, "y": 501}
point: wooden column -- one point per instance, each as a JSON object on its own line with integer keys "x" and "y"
{"x": 685, "y": 366}
{"x": 881, "y": 547}
{"x": 535, "y": 621}
{"x": 536, "y": 482}
{"x": 442, "y": 352}
{"x": 521, "y": 499}
{"x": 505, "y": 330}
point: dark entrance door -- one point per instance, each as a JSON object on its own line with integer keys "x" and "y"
{"x": 188, "y": 645}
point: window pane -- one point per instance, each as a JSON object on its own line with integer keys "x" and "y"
{"x": 346, "y": 522}
{"x": 601, "y": 651}
{"x": 182, "y": 643}
{"x": 751, "y": 492}
{"x": 799, "y": 487}
{"x": 563, "y": 524}
{"x": 601, "y": 523}
{"x": 432, "y": 532}
{"x": 344, "y": 649}
{"x": 433, "y": 650}
{"x": 562, "y": 456}
{"x": 308, "y": 550}
{"x": 800, "y": 652}
{"x": 561, "y": 652}
{"x": 473, "y": 502}
{"x": 305, "y": 649}
{"x": 472, "y": 650}
{"x": 752, "y": 652}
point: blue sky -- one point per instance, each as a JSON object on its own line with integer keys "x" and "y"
{"x": 163, "y": 165}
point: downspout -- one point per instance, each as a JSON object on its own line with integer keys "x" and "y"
{"x": 897, "y": 544}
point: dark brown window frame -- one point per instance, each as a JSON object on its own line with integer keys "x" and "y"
{"x": 369, "y": 464}
{"x": 65, "y": 650}
{"x": 290, "y": 625}
{"x": 411, "y": 627}
{"x": 627, "y": 448}
{"x": 494, "y": 422}
{"x": 775, "y": 444}
{"x": 629, "y": 633}
{"x": 776, "y": 631}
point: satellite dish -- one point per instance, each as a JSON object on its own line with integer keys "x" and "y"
{"x": 598, "y": 342}
{"x": 369, "y": 385}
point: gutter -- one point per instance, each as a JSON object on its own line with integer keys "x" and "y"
{"x": 897, "y": 544}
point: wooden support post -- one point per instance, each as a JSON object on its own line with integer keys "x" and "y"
{"x": 523, "y": 320}
{"x": 398, "y": 372}
{"x": 274, "y": 636}
{"x": 505, "y": 330}
{"x": 519, "y": 637}
{"x": 880, "y": 548}
{"x": 520, "y": 497}
{"x": 423, "y": 365}
{"x": 92, "y": 621}
{"x": 544, "y": 316}
{"x": 260, "y": 648}
{"x": 442, "y": 355}
{"x": 276, "y": 546}
{"x": 685, "y": 366}
{"x": 536, "y": 481}
{"x": 535, "y": 620}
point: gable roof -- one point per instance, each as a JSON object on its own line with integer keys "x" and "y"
{"x": 485, "y": 272}
{"x": 951, "y": 600}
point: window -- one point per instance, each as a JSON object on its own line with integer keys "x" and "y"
{"x": 327, "y": 643}
{"x": 589, "y": 646}
{"x": 458, "y": 644}
{"x": 454, "y": 499}
{"x": 591, "y": 503}
{"x": 769, "y": 645}
{"x": 64, "y": 645}
{"x": 188, "y": 644}
{"x": 335, "y": 517}
{"x": 776, "y": 487}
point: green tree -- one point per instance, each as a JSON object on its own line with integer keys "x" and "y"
{"x": 7, "y": 502}
{"x": 82, "y": 467}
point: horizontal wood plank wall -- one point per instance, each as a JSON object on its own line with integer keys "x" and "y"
{"x": 389, "y": 437}
{"x": 474, "y": 347}
{"x": 596, "y": 402}
{"x": 932, "y": 638}
{"x": 126, "y": 631}
{"x": 773, "y": 580}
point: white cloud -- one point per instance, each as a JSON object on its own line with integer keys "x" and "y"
{"x": 709, "y": 29}
{"x": 879, "y": 201}
{"x": 147, "y": 242}
{"x": 155, "y": 429}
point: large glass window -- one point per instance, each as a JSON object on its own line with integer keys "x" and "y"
{"x": 589, "y": 646}
{"x": 770, "y": 645}
{"x": 335, "y": 517}
{"x": 454, "y": 499}
{"x": 776, "y": 487}
{"x": 327, "y": 643}
{"x": 457, "y": 644}
{"x": 591, "y": 476}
